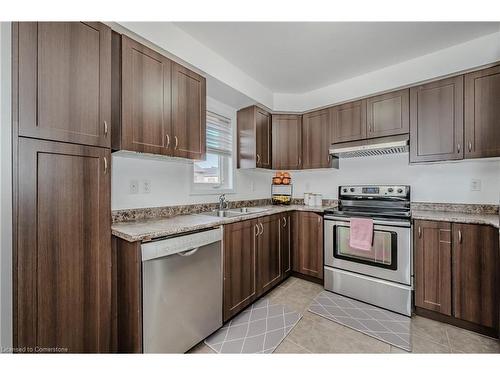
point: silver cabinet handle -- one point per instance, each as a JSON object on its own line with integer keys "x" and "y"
{"x": 256, "y": 230}
{"x": 470, "y": 146}
{"x": 258, "y": 158}
{"x": 261, "y": 228}
{"x": 458, "y": 148}
{"x": 168, "y": 141}
{"x": 176, "y": 142}
{"x": 105, "y": 165}
{"x": 105, "y": 128}
{"x": 459, "y": 236}
{"x": 300, "y": 161}
{"x": 419, "y": 232}
{"x": 284, "y": 221}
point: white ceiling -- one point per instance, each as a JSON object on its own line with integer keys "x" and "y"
{"x": 296, "y": 57}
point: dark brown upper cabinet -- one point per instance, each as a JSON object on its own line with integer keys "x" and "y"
{"x": 482, "y": 113}
{"x": 388, "y": 114}
{"x": 146, "y": 99}
{"x": 163, "y": 104}
{"x": 62, "y": 257}
{"x": 287, "y": 141}
{"x": 436, "y": 120}
{"x": 188, "y": 113}
{"x": 349, "y": 121}
{"x": 432, "y": 242}
{"x": 64, "y": 81}
{"x": 316, "y": 138}
{"x": 476, "y": 290}
{"x": 254, "y": 138}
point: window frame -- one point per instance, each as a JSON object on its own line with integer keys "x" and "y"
{"x": 228, "y": 175}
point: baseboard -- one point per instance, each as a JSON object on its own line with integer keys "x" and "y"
{"x": 307, "y": 277}
{"x": 487, "y": 331}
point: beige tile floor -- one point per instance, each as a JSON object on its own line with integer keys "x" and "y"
{"x": 314, "y": 334}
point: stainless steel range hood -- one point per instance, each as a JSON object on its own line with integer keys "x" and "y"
{"x": 370, "y": 147}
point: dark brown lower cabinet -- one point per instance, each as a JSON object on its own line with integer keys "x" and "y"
{"x": 286, "y": 243}
{"x": 433, "y": 266}
{"x": 62, "y": 247}
{"x": 268, "y": 253}
{"x": 456, "y": 273}
{"x": 308, "y": 244}
{"x": 476, "y": 291}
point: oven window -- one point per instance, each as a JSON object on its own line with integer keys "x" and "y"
{"x": 382, "y": 254}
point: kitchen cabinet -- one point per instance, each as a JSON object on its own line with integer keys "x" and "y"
{"x": 475, "y": 268}
{"x": 436, "y": 121}
{"x": 188, "y": 113}
{"x": 62, "y": 247}
{"x": 240, "y": 266}
{"x": 268, "y": 253}
{"x": 456, "y": 273}
{"x": 287, "y": 141}
{"x": 145, "y": 99}
{"x": 432, "y": 246}
{"x": 159, "y": 106}
{"x": 286, "y": 243}
{"x": 388, "y": 114}
{"x": 254, "y": 138}
{"x": 63, "y": 85}
{"x": 316, "y": 137}
{"x": 482, "y": 113}
{"x": 349, "y": 121}
{"x": 308, "y": 244}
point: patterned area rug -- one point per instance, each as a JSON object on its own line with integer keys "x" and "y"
{"x": 373, "y": 321}
{"x": 258, "y": 329}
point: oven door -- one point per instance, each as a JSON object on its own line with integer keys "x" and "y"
{"x": 388, "y": 259}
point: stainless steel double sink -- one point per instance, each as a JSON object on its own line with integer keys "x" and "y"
{"x": 235, "y": 211}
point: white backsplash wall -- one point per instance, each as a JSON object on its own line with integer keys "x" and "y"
{"x": 171, "y": 183}
{"x": 441, "y": 182}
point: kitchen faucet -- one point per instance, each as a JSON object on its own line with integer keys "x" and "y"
{"x": 223, "y": 204}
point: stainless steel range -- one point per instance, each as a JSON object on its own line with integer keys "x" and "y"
{"x": 383, "y": 275}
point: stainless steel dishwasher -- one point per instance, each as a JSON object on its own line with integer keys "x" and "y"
{"x": 182, "y": 291}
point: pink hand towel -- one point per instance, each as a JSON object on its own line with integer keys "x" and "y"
{"x": 361, "y": 237}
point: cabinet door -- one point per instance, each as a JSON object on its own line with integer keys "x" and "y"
{"x": 316, "y": 139}
{"x": 433, "y": 265}
{"x": 308, "y": 238}
{"x": 240, "y": 266}
{"x": 145, "y": 99}
{"x": 388, "y": 114}
{"x": 286, "y": 244}
{"x": 287, "y": 141}
{"x": 436, "y": 121}
{"x": 475, "y": 274}
{"x": 263, "y": 129}
{"x": 63, "y": 253}
{"x": 188, "y": 113}
{"x": 349, "y": 121}
{"x": 269, "y": 255}
{"x": 482, "y": 113}
{"x": 64, "y": 81}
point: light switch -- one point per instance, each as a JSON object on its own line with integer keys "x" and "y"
{"x": 475, "y": 184}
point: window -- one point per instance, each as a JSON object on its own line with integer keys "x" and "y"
{"x": 215, "y": 173}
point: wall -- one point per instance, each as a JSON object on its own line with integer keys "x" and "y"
{"x": 443, "y": 182}
{"x": 5, "y": 188}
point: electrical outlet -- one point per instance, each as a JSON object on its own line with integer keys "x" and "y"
{"x": 146, "y": 186}
{"x": 475, "y": 184}
{"x": 134, "y": 187}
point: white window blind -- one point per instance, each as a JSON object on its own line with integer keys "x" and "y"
{"x": 219, "y": 134}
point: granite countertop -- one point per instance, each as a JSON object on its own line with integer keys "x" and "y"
{"x": 457, "y": 217}
{"x": 146, "y": 229}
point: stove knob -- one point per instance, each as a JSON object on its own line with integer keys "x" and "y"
{"x": 344, "y": 190}
{"x": 400, "y": 191}
{"x": 352, "y": 190}
{"x": 390, "y": 190}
